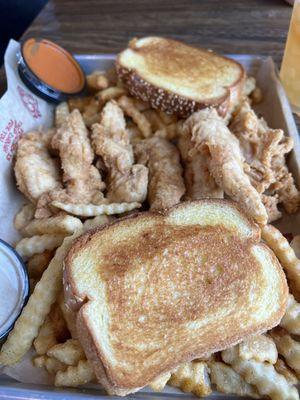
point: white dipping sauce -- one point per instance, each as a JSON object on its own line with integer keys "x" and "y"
{"x": 13, "y": 287}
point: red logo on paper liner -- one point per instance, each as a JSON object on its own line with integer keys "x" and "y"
{"x": 9, "y": 137}
{"x": 29, "y": 102}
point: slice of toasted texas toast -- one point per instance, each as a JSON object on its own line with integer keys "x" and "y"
{"x": 178, "y": 78}
{"x": 155, "y": 290}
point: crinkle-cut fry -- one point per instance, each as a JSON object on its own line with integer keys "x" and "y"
{"x": 141, "y": 105}
{"x": 192, "y": 378}
{"x": 286, "y": 255}
{"x": 284, "y": 370}
{"x": 166, "y": 185}
{"x": 158, "y": 384}
{"x": 91, "y": 113}
{"x": 260, "y": 348}
{"x": 230, "y": 382}
{"x": 139, "y": 118}
{"x": 96, "y": 221}
{"x": 66, "y": 224}
{"x": 61, "y": 113}
{"x": 295, "y": 244}
{"x": 37, "y": 264}
{"x": 262, "y": 375}
{"x": 51, "y": 364}
{"x": 291, "y": 319}
{"x": 167, "y": 118}
{"x": 53, "y": 331}
{"x": 24, "y": 216}
{"x": 97, "y": 80}
{"x": 169, "y": 132}
{"x": 287, "y": 347}
{"x": 34, "y": 313}
{"x": 79, "y": 103}
{"x": 110, "y": 93}
{"x": 210, "y": 133}
{"x": 74, "y": 376}
{"x": 27, "y": 247}
{"x": 91, "y": 210}
{"x": 154, "y": 119}
{"x": 69, "y": 352}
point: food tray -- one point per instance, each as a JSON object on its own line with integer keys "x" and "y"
{"x": 276, "y": 110}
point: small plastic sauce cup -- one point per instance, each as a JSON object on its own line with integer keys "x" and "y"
{"x": 14, "y": 287}
{"x": 50, "y": 71}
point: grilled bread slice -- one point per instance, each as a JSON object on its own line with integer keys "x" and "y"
{"x": 178, "y": 78}
{"x": 155, "y": 290}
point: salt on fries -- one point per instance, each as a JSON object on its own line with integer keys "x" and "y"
{"x": 38, "y": 244}
{"x": 91, "y": 210}
{"x": 285, "y": 254}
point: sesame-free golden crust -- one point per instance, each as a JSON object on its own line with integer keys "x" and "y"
{"x": 214, "y": 290}
{"x": 170, "y": 101}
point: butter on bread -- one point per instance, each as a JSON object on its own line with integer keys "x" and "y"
{"x": 154, "y": 290}
{"x": 178, "y": 78}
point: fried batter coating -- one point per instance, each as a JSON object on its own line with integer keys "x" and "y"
{"x": 36, "y": 171}
{"x": 264, "y": 150}
{"x": 166, "y": 185}
{"x": 210, "y": 134}
{"x": 82, "y": 180}
{"x": 198, "y": 180}
{"x": 127, "y": 182}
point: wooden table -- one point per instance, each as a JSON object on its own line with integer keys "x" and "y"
{"x": 105, "y": 26}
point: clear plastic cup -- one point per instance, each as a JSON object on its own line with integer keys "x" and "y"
{"x": 290, "y": 67}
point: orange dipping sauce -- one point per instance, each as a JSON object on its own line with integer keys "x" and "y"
{"x": 53, "y": 65}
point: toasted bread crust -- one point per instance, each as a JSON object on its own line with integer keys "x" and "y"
{"x": 171, "y": 102}
{"x": 116, "y": 383}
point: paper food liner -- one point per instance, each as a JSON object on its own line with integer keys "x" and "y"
{"x": 22, "y": 111}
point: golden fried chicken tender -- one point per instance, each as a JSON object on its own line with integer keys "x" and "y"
{"x": 210, "y": 134}
{"x": 198, "y": 180}
{"x": 82, "y": 180}
{"x": 271, "y": 205}
{"x": 166, "y": 185}
{"x": 36, "y": 171}
{"x": 127, "y": 182}
{"x": 264, "y": 150}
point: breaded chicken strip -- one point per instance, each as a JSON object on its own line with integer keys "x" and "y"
{"x": 127, "y": 182}
{"x": 209, "y": 133}
{"x": 166, "y": 185}
{"x": 82, "y": 180}
{"x": 36, "y": 171}
{"x": 198, "y": 181}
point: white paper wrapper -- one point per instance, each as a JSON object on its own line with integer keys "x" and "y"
{"x": 22, "y": 111}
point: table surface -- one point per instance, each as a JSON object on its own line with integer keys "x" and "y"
{"x": 105, "y": 26}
